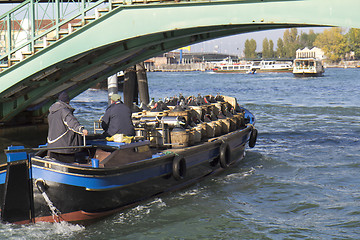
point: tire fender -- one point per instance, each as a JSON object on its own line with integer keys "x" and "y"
{"x": 253, "y": 137}
{"x": 179, "y": 168}
{"x": 225, "y": 155}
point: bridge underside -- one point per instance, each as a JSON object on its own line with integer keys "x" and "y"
{"x": 122, "y": 38}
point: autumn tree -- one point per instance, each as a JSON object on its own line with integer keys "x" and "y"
{"x": 353, "y": 41}
{"x": 333, "y": 43}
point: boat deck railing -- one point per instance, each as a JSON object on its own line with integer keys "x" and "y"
{"x": 305, "y": 68}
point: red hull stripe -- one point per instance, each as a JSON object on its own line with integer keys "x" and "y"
{"x": 73, "y": 217}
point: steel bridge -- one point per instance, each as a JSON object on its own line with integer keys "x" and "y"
{"x": 50, "y": 46}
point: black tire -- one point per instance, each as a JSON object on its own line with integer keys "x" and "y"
{"x": 253, "y": 137}
{"x": 225, "y": 155}
{"x": 179, "y": 168}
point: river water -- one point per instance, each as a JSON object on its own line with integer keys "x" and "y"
{"x": 301, "y": 181}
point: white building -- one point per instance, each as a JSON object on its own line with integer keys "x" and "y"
{"x": 315, "y": 52}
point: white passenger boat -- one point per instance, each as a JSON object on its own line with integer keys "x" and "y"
{"x": 234, "y": 67}
{"x": 272, "y": 66}
{"x": 252, "y": 67}
{"x": 308, "y": 67}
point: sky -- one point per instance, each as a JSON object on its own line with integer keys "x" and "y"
{"x": 235, "y": 44}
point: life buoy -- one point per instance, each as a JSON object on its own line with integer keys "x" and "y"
{"x": 253, "y": 137}
{"x": 225, "y": 155}
{"x": 179, "y": 168}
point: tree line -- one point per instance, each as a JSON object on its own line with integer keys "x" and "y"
{"x": 335, "y": 43}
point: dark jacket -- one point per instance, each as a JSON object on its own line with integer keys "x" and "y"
{"x": 117, "y": 119}
{"x": 64, "y": 129}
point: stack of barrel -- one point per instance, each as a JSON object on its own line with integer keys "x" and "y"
{"x": 181, "y": 122}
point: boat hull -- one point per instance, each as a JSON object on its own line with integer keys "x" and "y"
{"x": 82, "y": 194}
{"x": 308, "y": 67}
{"x": 304, "y": 74}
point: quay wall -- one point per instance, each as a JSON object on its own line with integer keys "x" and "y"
{"x": 343, "y": 64}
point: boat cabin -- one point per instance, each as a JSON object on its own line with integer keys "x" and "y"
{"x": 308, "y": 67}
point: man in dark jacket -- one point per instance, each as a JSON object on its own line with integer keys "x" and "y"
{"x": 117, "y": 118}
{"x": 64, "y": 130}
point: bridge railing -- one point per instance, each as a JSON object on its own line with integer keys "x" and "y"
{"x": 33, "y": 22}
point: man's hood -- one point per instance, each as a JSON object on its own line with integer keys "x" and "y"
{"x": 60, "y": 105}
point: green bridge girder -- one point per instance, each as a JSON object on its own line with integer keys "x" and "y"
{"x": 132, "y": 33}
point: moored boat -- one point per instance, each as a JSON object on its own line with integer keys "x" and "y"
{"x": 233, "y": 67}
{"x": 272, "y": 66}
{"x": 308, "y": 67}
{"x": 263, "y": 66}
{"x": 175, "y": 146}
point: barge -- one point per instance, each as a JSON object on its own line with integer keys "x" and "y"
{"x": 175, "y": 146}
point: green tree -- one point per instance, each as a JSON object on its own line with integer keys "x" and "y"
{"x": 271, "y": 48}
{"x": 291, "y": 42}
{"x": 307, "y": 40}
{"x": 250, "y": 48}
{"x": 333, "y": 43}
{"x": 266, "y": 48}
{"x": 280, "y": 52}
{"x": 353, "y": 41}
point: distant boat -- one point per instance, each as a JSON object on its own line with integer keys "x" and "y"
{"x": 257, "y": 66}
{"x": 272, "y": 66}
{"x": 252, "y": 71}
{"x": 233, "y": 67}
{"x": 308, "y": 67}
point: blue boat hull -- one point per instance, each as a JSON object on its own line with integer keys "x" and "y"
{"x": 35, "y": 187}
{"x": 89, "y": 193}
{"x": 82, "y": 193}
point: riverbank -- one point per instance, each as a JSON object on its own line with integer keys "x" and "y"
{"x": 343, "y": 64}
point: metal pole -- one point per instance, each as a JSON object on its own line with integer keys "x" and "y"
{"x": 112, "y": 86}
{"x": 9, "y": 37}
{"x": 57, "y": 17}
{"x": 83, "y": 3}
{"x": 32, "y": 22}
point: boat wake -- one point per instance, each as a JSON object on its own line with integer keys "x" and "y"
{"x": 41, "y": 230}
{"x": 237, "y": 176}
{"x": 191, "y": 192}
{"x": 66, "y": 229}
{"x": 131, "y": 216}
